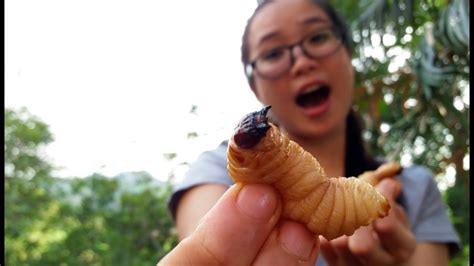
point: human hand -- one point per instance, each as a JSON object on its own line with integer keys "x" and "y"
{"x": 244, "y": 228}
{"x": 387, "y": 241}
{"x": 386, "y": 170}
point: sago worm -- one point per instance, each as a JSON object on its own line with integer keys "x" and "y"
{"x": 259, "y": 152}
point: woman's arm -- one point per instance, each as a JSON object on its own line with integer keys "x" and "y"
{"x": 430, "y": 254}
{"x": 194, "y": 204}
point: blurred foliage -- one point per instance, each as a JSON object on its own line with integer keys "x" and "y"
{"x": 80, "y": 221}
{"x": 412, "y": 81}
{"x": 25, "y": 136}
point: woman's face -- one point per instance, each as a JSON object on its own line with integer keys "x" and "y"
{"x": 314, "y": 97}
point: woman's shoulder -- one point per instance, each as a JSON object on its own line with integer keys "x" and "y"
{"x": 419, "y": 189}
{"x": 216, "y": 155}
{"x": 417, "y": 174}
{"x": 417, "y": 181}
{"x": 209, "y": 163}
{"x": 210, "y": 167}
{"x": 427, "y": 212}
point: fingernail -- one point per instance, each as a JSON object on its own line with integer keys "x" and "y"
{"x": 296, "y": 239}
{"x": 257, "y": 201}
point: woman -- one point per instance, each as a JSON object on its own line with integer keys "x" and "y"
{"x": 297, "y": 58}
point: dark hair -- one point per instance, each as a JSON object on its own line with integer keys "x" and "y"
{"x": 357, "y": 160}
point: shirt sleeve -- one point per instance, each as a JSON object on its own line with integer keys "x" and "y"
{"x": 210, "y": 167}
{"x": 426, "y": 210}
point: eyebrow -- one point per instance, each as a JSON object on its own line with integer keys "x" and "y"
{"x": 314, "y": 19}
{"x": 267, "y": 37}
{"x": 310, "y": 20}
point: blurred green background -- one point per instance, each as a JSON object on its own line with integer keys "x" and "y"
{"x": 412, "y": 88}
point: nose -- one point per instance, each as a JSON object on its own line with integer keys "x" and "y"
{"x": 301, "y": 62}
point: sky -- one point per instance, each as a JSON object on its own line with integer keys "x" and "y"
{"x": 116, "y": 80}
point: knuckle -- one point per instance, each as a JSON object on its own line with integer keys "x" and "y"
{"x": 362, "y": 249}
{"x": 401, "y": 214}
{"x": 403, "y": 254}
{"x": 385, "y": 225}
{"x": 211, "y": 257}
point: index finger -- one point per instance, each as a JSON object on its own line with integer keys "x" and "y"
{"x": 393, "y": 230}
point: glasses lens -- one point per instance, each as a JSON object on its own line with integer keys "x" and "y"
{"x": 273, "y": 63}
{"x": 321, "y": 43}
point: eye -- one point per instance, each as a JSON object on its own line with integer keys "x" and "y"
{"x": 273, "y": 54}
{"x": 319, "y": 38}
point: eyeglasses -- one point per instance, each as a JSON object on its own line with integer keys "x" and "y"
{"x": 278, "y": 61}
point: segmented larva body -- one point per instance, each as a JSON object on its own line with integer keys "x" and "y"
{"x": 330, "y": 207}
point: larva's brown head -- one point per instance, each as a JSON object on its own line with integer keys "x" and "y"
{"x": 252, "y": 128}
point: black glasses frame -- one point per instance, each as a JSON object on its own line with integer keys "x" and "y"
{"x": 250, "y": 67}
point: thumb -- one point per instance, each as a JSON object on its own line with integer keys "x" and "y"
{"x": 233, "y": 231}
{"x": 389, "y": 188}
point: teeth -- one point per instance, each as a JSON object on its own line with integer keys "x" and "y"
{"x": 311, "y": 89}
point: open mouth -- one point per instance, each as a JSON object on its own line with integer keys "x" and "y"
{"x": 313, "y": 97}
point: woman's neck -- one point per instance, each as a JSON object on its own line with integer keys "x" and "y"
{"x": 329, "y": 151}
